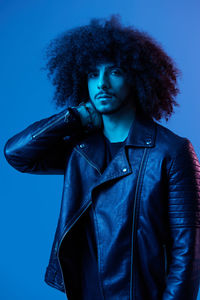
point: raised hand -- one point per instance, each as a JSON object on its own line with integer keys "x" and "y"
{"x": 89, "y": 115}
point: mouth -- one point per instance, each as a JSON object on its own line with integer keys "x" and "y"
{"x": 105, "y": 96}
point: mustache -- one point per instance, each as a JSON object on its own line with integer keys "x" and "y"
{"x": 103, "y": 94}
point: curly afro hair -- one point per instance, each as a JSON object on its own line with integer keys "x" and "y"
{"x": 151, "y": 72}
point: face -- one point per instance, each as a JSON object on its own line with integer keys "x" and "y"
{"x": 108, "y": 88}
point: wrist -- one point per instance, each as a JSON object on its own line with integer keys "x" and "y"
{"x": 89, "y": 116}
{"x": 84, "y": 115}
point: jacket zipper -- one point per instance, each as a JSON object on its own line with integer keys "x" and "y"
{"x": 133, "y": 224}
{"x": 90, "y": 163}
{"x": 49, "y": 125}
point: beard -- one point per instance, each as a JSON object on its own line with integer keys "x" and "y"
{"x": 112, "y": 109}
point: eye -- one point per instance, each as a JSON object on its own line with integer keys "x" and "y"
{"x": 92, "y": 74}
{"x": 116, "y": 71}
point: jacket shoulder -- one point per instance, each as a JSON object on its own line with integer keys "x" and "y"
{"x": 170, "y": 141}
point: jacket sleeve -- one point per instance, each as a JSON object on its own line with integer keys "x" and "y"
{"x": 183, "y": 248}
{"x": 42, "y": 147}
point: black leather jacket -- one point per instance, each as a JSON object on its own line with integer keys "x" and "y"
{"x": 157, "y": 167}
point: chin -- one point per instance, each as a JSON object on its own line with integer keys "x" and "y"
{"x": 108, "y": 111}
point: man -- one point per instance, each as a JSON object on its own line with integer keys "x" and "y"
{"x": 129, "y": 220}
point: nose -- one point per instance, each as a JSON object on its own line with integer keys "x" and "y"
{"x": 103, "y": 81}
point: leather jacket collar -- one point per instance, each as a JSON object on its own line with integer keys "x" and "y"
{"x": 142, "y": 134}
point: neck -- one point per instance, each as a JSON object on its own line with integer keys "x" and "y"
{"x": 117, "y": 125}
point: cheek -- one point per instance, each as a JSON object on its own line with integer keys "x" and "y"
{"x": 123, "y": 89}
{"x": 126, "y": 88}
{"x": 119, "y": 84}
{"x": 91, "y": 88}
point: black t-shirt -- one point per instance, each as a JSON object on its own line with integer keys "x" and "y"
{"x": 111, "y": 149}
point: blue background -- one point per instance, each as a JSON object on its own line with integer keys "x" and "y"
{"x": 29, "y": 203}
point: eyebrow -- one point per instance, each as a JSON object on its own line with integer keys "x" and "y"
{"x": 112, "y": 66}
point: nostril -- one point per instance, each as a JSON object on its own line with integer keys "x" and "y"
{"x": 102, "y": 83}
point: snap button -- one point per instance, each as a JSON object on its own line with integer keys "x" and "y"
{"x": 81, "y": 145}
{"x": 148, "y": 141}
{"x": 124, "y": 170}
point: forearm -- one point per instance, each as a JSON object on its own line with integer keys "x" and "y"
{"x": 42, "y": 143}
